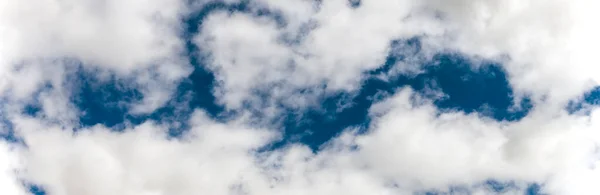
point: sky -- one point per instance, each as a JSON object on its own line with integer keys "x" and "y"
{"x": 226, "y": 97}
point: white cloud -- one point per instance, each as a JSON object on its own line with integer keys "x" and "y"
{"x": 249, "y": 52}
{"x": 407, "y": 149}
{"x": 548, "y": 43}
{"x": 8, "y": 164}
{"x": 126, "y": 38}
{"x": 547, "y": 47}
{"x": 140, "y": 160}
{"x": 121, "y": 35}
{"x": 454, "y": 148}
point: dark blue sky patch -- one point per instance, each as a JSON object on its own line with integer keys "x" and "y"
{"x": 582, "y": 105}
{"x": 7, "y": 131}
{"x": 492, "y": 186}
{"x": 33, "y": 109}
{"x": 499, "y": 186}
{"x": 593, "y": 96}
{"x": 107, "y": 101}
{"x": 35, "y": 189}
{"x": 354, "y": 3}
{"x": 485, "y": 91}
{"x": 534, "y": 189}
{"x": 195, "y": 92}
{"x": 103, "y": 101}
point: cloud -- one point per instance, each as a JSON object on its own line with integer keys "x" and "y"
{"x": 139, "y": 160}
{"x": 543, "y": 45}
{"x": 124, "y": 38}
{"x": 548, "y": 43}
{"x": 8, "y": 161}
{"x": 423, "y": 151}
{"x": 454, "y": 148}
{"x": 121, "y": 35}
{"x": 270, "y": 57}
{"x": 305, "y": 52}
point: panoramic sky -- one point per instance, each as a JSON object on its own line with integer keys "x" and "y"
{"x": 299, "y": 97}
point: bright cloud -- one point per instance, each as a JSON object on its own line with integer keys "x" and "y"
{"x": 269, "y": 57}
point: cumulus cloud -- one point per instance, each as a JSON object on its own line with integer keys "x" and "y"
{"x": 422, "y": 151}
{"x": 548, "y": 43}
{"x": 7, "y": 175}
{"x": 115, "y": 37}
{"x": 545, "y": 46}
{"x": 458, "y": 148}
{"x": 271, "y": 55}
{"x": 139, "y": 160}
{"x": 249, "y": 52}
{"x": 121, "y": 35}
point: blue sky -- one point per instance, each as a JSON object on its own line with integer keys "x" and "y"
{"x": 267, "y": 97}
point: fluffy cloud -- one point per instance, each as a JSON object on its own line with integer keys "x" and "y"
{"x": 545, "y": 46}
{"x": 249, "y": 52}
{"x": 210, "y": 159}
{"x": 422, "y": 151}
{"x": 547, "y": 43}
{"x": 121, "y": 35}
{"x": 7, "y": 174}
{"x": 299, "y": 51}
{"x": 43, "y": 39}
{"x": 455, "y": 148}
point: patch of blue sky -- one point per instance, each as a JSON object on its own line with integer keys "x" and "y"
{"x": 7, "y": 132}
{"x": 534, "y": 189}
{"x": 354, "y": 3}
{"x": 588, "y": 100}
{"x": 36, "y": 190}
{"x": 483, "y": 90}
{"x": 491, "y": 186}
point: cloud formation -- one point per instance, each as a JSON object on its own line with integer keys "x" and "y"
{"x": 270, "y": 57}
